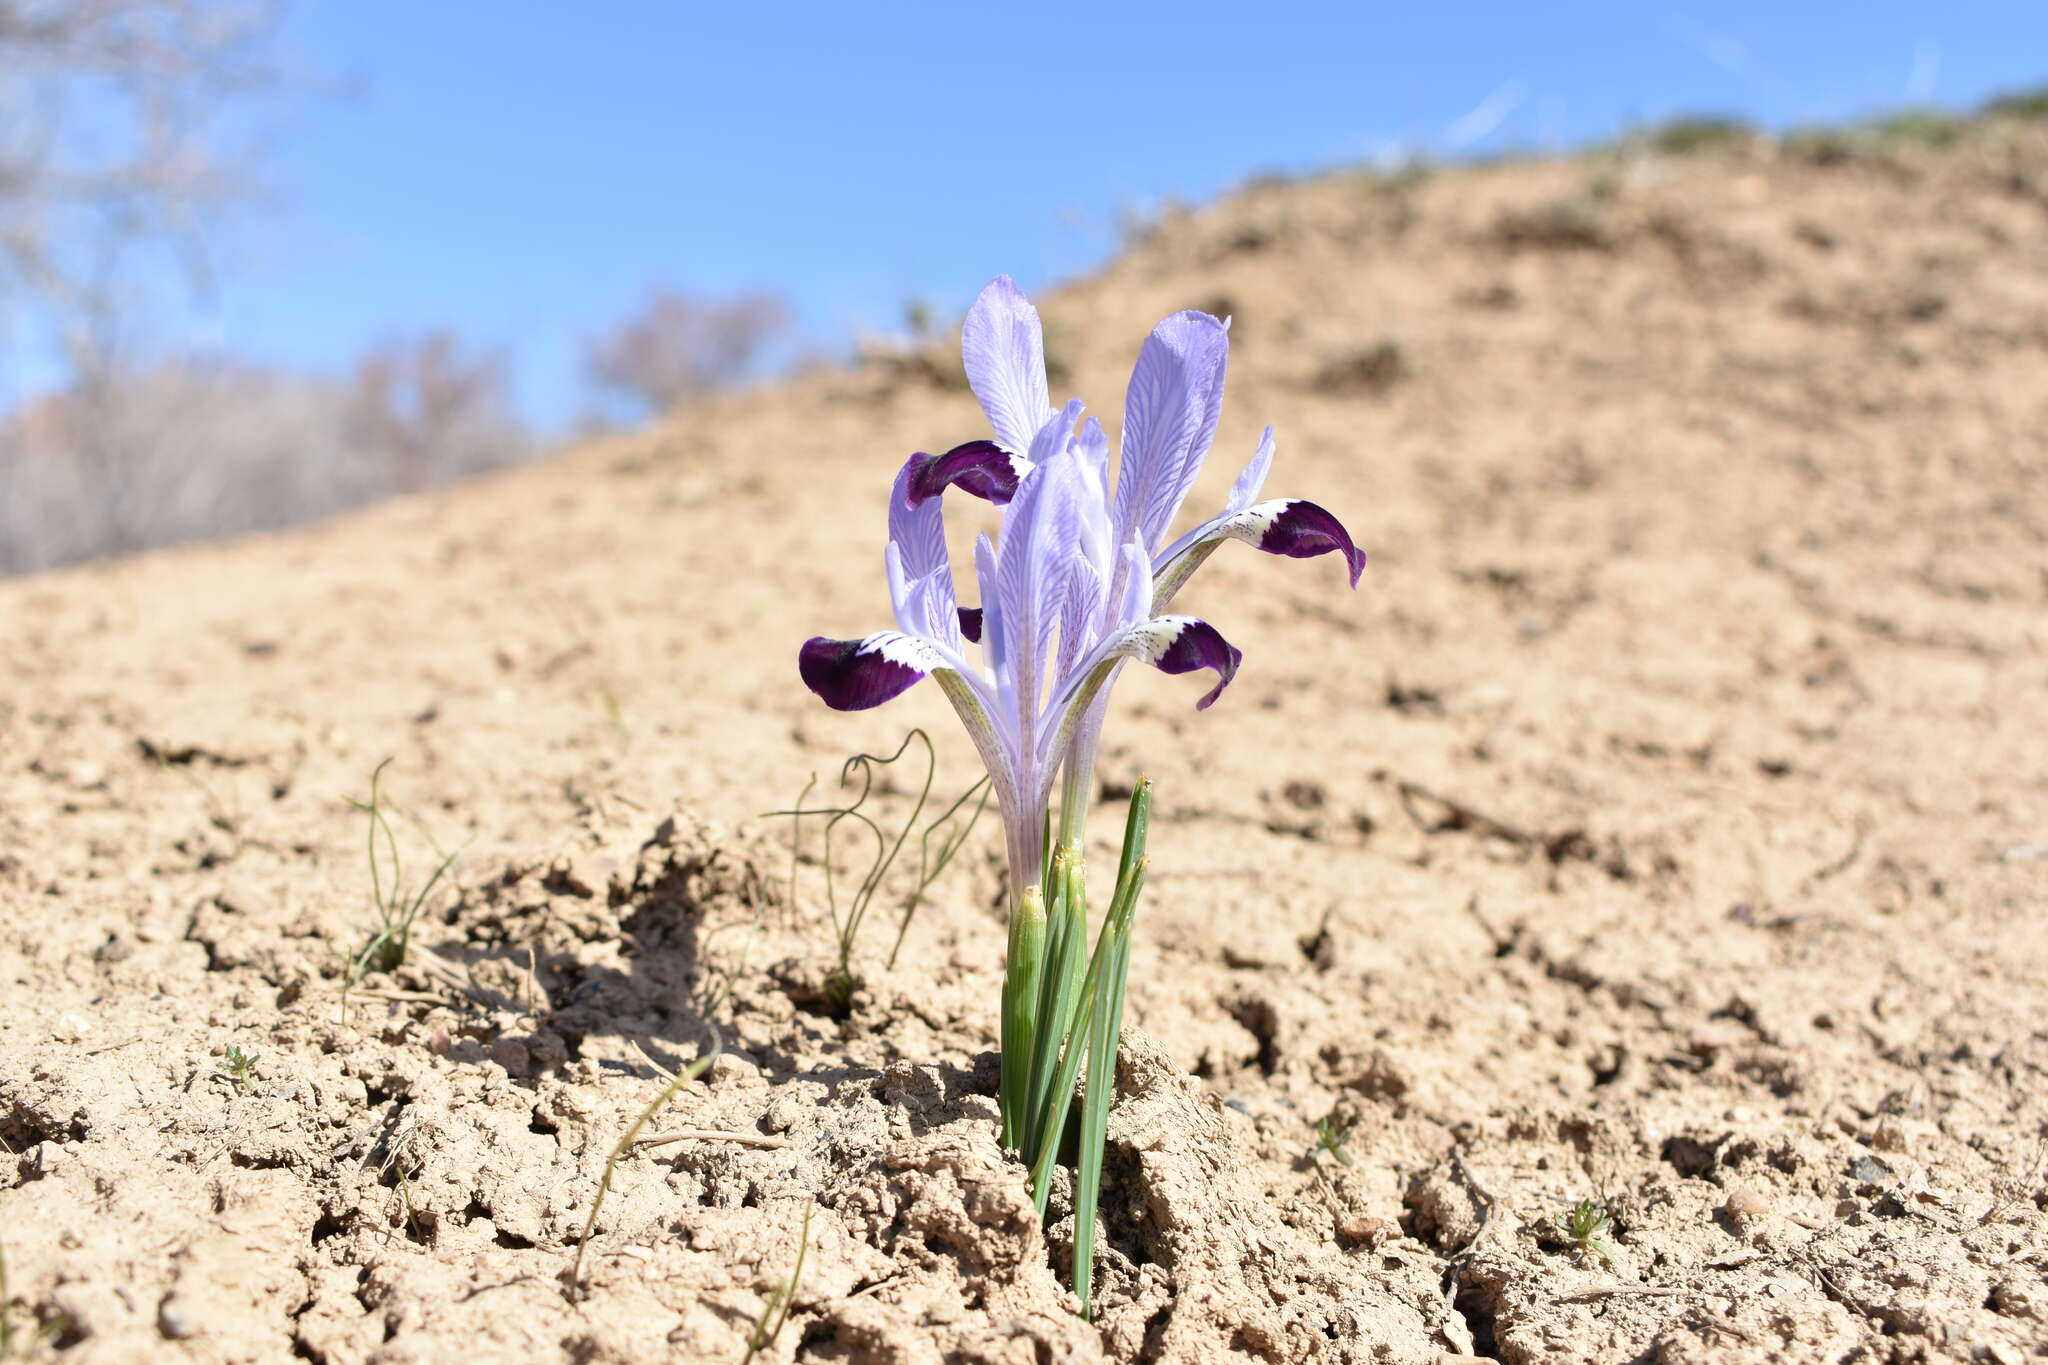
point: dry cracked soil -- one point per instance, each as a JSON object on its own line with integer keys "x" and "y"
{"x": 1663, "y": 824}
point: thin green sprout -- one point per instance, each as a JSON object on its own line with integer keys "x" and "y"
{"x": 928, "y": 869}
{"x": 668, "y": 1092}
{"x": 846, "y": 926}
{"x": 763, "y": 1336}
{"x": 396, "y": 909}
{"x": 675, "y": 1085}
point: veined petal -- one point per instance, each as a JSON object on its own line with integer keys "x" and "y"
{"x": 982, "y": 468}
{"x": 854, "y": 675}
{"x": 1170, "y": 413}
{"x": 1041, "y": 533}
{"x": 1003, "y": 350}
{"x": 1245, "y": 491}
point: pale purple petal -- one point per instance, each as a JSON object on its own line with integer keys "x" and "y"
{"x": 854, "y": 675}
{"x": 981, "y": 468}
{"x": 1245, "y": 491}
{"x": 1170, "y": 414}
{"x": 994, "y": 632}
{"x": 1041, "y": 530}
{"x": 1003, "y": 351}
{"x": 1080, "y": 613}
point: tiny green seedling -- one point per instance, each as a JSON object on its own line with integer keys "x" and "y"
{"x": 1330, "y": 1139}
{"x": 396, "y": 908}
{"x": 1584, "y": 1225}
{"x": 238, "y": 1066}
{"x": 951, "y": 829}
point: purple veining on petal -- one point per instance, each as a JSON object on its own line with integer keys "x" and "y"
{"x": 970, "y": 623}
{"x": 981, "y": 468}
{"x": 1183, "y": 644}
{"x": 854, "y": 675}
{"x": 1002, "y": 348}
{"x": 1303, "y": 530}
{"x": 1170, "y": 413}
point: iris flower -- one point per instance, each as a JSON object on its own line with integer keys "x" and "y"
{"x": 1079, "y": 580}
{"x": 1080, "y": 576}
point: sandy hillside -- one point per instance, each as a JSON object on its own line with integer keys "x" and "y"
{"x": 1664, "y": 822}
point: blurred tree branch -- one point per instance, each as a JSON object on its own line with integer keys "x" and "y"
{"x": 118, "y": 139}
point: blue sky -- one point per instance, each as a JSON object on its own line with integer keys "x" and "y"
{"x": 524, "y": 170}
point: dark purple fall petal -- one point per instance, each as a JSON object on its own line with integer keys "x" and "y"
{"x": 1302, "y": 530}
{"x": 982, "y": 468}
{"x": 853, "y": 675}
{"x": 1197, "y": 645}
{"x": 970, "y": 623}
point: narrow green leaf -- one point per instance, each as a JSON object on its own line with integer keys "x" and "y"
{"x": 1075, "y": 1044}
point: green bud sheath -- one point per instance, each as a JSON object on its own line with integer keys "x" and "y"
{"x": 1020, "y": 1010}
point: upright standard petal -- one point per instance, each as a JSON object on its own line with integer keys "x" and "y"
{"x": 1003, "y": 351}
{"x": 854, "y": 675}
{"x": 1041, "y": 532}
{"x": 1245, "y": 491}
{"x": 1170, "y": 413}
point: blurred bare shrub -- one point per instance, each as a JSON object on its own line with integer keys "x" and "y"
{"x": 676, "y": 347}
{"x": 126, "y": 126}
{"x": 434, "y": 409}
{"x": 187, "y": 451}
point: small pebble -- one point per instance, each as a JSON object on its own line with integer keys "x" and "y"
{"x": 1745, "y": 1205}
{"x": 510, "y": 1053}
{"x": 174, "y": 1318}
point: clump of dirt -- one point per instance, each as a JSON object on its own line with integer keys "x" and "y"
{"x": 1660, "y": 829}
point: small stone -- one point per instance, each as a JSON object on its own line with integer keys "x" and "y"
{"x": 1745, "y": 1206}
{"x": 511, "y": 1054}
{"x": 174, "y": 1318}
